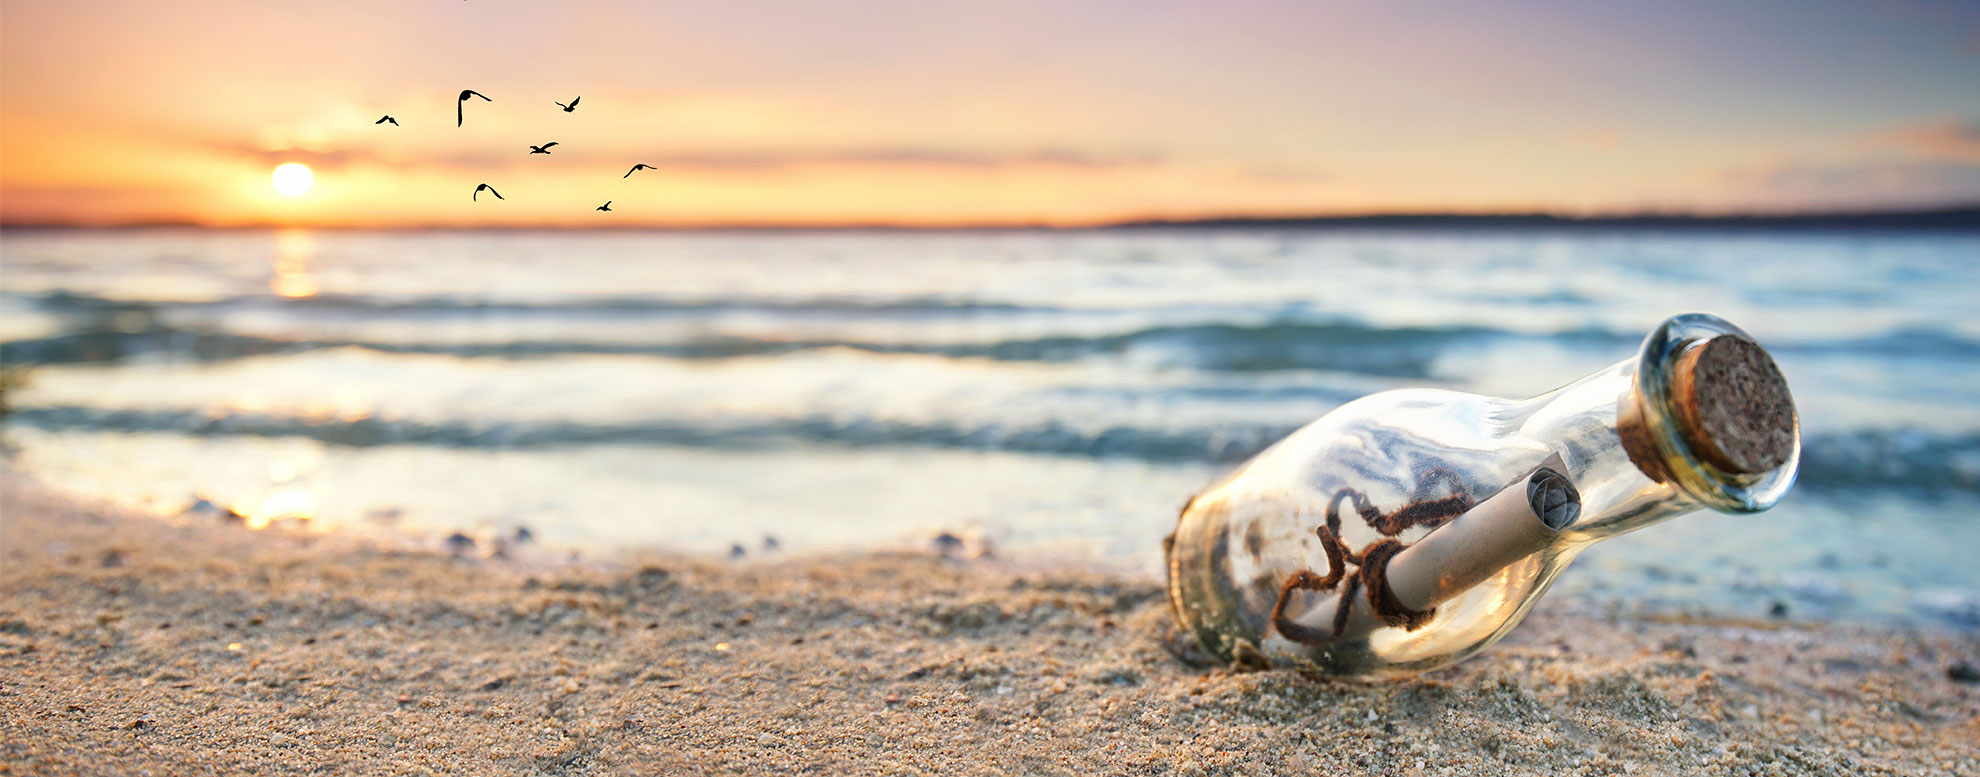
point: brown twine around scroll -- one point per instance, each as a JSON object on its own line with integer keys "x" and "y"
{"x": 1371, "y": 564}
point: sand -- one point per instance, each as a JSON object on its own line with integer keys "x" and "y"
{"x": 137, "y": 644}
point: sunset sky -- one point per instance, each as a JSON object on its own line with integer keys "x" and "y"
{"x": 975, "y": 111}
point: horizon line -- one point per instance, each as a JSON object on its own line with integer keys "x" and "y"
{"x": 1955, "y": 217}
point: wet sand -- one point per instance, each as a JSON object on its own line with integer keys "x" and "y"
{"x": 132, "y": 644}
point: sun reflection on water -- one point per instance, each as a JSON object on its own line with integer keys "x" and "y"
{"x": 292, "y": 498}
{"x": 295, "y": 250}
{"x": 281, "y": 504}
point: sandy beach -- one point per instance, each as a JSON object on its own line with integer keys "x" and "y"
{"x": 136, "y": 644}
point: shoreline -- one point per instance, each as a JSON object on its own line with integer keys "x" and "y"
{"x": 189, "y": 646}
{"x": 1948, "y": 217}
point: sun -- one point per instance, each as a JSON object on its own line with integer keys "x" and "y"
{"x": 294, "y": 179}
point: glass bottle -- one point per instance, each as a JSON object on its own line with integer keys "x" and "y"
{"x": 1411, "y": 529}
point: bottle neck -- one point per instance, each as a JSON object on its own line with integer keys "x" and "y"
{"x": 1582, "y": 422}
{"x": 1685, "y": 424}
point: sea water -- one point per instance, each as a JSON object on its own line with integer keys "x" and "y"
{"x": 1057, "y": 394}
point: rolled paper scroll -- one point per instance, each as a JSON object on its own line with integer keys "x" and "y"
{"x": 1520, "y": 520}
{"x": 1511, "y": 525}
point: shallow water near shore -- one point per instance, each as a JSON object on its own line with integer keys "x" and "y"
{"x": 1058, "y": 394}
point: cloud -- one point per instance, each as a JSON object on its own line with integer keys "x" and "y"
{"x": 1863, "y": 184}
{"x": 1950, "y": 140}
{"x": 61, "y": 204}
{"x": 905, "y": 157}
{"x": 1925, "y": 163}
{"x": 320, "y": 160}
{"x": 780, "y": 160}
{"x": 1600, "y": 139}
{"x": 1282, "y": 174}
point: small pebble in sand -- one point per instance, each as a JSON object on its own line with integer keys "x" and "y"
{"x": 571, "y": 685}
{"x": 721, "y": 647}
{"x": 280, "y": 739}
{"x": 892, "y": 698}
{"x": 458, "y": 543}
{"x": 205, "y": 508}
{"x": 1963, "y": 672}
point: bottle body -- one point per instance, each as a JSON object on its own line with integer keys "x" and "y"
{"x": 1282, "y": 562}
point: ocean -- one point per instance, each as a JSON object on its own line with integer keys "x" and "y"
{"x": 1046, "y": 395}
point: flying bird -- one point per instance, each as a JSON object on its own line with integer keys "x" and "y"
{"x": 465, "y": 93}
{"x": 491, "y": 190}
{"x": 543, "y": 149}
{"x": 386, "y": 118}
{"x": 571, "y": 107}
{"x": 637, "y": 168}
{"x": 607, "y": 207}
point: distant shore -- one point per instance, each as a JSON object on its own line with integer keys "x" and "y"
{"x": 187, "y": 645}
{"x": 1957, "y": 218}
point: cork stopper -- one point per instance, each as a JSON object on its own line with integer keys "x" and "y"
{"x": 1733, "y": 406}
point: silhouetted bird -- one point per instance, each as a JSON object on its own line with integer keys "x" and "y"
{"x": 491, "y": 190}
{"x": 543, "y": 149}
{"x": 637, "y": 168}
{"x": 388, "y": 117}
{"x": 465, "y": 93}
{"x": 947, "y": 544}
{"x": 606, "y": 207}
{"x": 571, "y": 107}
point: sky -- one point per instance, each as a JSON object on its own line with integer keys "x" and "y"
{"x": 978, "y": 112}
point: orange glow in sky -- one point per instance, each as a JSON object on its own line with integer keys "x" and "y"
{"x": 116, "y": 111}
